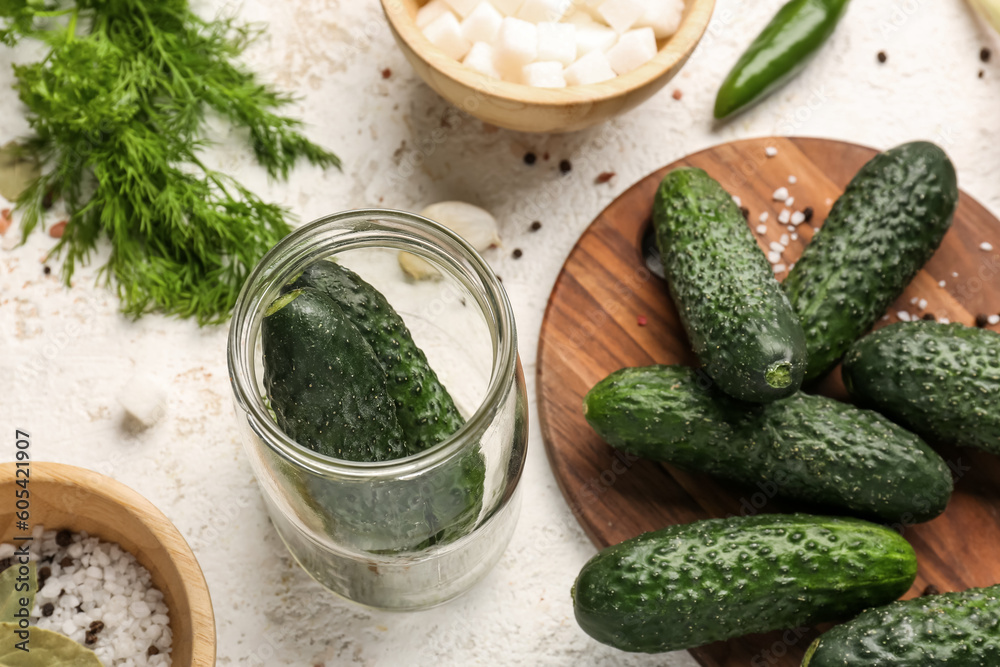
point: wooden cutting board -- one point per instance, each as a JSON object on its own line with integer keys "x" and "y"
{"x": 608, "y": 311}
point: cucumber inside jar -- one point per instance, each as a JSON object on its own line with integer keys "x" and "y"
{"x": 345, "y": 378}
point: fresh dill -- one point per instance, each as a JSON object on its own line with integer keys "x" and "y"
{"x": 118, "y": 109}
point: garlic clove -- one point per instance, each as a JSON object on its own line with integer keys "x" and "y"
{"x": 417, "y": 268}
{"x": 474, "y": 224}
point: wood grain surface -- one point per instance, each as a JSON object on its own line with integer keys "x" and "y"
{"x": 64, "y": 496}
{"x": 594, "y": 325}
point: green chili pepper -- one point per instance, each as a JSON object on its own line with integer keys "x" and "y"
{"x": 779, "y": 52}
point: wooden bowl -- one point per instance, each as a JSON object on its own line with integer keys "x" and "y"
{"x": 77, "y": 499}
{"x": 527, "y": 109}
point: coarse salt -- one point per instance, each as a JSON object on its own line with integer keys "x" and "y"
{"x": 941, "y": 283}
{"x": 785, "y": 216}
{"x": 770, "y": 151}
{"x": 798, "y": 217}
{"x": 922, "y": 304}
{"x": 778, "y": 268}
{"x": 789, "y": 201}
{"x": 774, "y": 257}
{"x": 793, "y": 180}
{"x": 993, "y": 319}
{"x": 764, "y": 216}
{"x": 903, "y": 315}
{"x": 761, "y": 229}
{"x": 986, "y": 246}
{"x": 781, "y": 194}
{"x": 783, "y": 240}
{"x": 737, "y": 200}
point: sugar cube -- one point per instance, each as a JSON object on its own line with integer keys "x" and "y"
{"x": 663, "y": 16}
{"x": 591, "y": 68}
{"x": 544, "y": 74}
{"x": 537, "y": 11}
{"x": 516, "y": 45}
{"x": 557, "y": 41}
{"x": 463, "y": 7}
{"x": 483, "y": 24}
{"x": 579, "y": 16}
{"x": 621, "y": 14}
{"x": 480, "y": 58}
{"x": 634, "y": 49}
{"x": 143, "y": 399}
{"x": 445, "y": 33}
{"x": 508, "y": 7}
{"x": 594, "y": 37}
{"x": 431, "y": 11}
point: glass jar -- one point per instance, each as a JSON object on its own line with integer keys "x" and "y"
{"x": 412, "y": 532}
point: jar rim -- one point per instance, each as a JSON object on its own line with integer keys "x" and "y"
{"x": 242, "y": 340}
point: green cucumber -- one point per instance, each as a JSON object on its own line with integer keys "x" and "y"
{"x": 739, "y": 320}
{"x": 325, "y": 385}
{"x": 425, "y": 409}
{"x": 948, "y": 630}
{"x": 328, "y": 392}
{"x": 804, "y": 447}
{"x": 690, "y": 585}
{"x": 884, "y": 228}
{"x": 939, "y": 380}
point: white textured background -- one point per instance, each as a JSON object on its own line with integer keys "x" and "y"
{"x": 66, "y": 352}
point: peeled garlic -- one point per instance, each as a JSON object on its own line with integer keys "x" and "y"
{"x": 475, "y": 225}
{"x": 990, "y": 10}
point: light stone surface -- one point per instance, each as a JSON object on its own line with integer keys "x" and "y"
{"x": 67, "y": 352}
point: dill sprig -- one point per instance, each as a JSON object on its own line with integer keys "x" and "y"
{"x": 118, "y": 108}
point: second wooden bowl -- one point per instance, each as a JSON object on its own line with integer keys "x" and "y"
{"x": 526, "y": 109}
{"x": 64, "y": 496}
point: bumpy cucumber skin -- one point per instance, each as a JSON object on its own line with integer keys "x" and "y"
{"x": 325, "y": 385}
{"x": 884, "y": 228}
{"x": 805, "y": 447}
{"x": 738, "y": 319}
{"x": 425, "y": 409}
{"x": 939, "y": 380}
{"x": 689, "y": 585}
{"x": 948, "y": 630}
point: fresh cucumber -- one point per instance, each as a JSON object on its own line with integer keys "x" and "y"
{"x": 689, "y": 585}
{"x": 425, "y": 409}
{"x": 325, "y": 385}
{"x": 939, "y": 380}
{"x": 804, "y": 447}
{"x": 948, "y": 630}
{"x": 884, "y": 228}
{"x": 738, "y": 319}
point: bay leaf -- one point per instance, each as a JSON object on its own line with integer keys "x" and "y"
{"x": 17, "y": 172}
{"x": 10, "y": 597}
{"x": 46, "y": 649}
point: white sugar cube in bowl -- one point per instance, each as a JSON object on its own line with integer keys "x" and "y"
{"x": 565, "y": 64}
{"x": 543, "y": 74}
{"x": 483, "y": 24}
{"x": 633, "y": 50}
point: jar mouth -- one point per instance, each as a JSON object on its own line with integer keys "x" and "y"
{"x": 328, "y": 236}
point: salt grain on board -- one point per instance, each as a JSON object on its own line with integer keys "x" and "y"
{"x": 993, "y": 319}
{"x": 986, "y": 246}
{"x": 798, "y": 218}
{"x": 764, "y": 216}
{"x": 781, "y": 194}
{"x": 903, "y": 315}
{"x": 761, "y": 229}
{"x": 785, "y": 217}
{"x": 774, "y": 257}
{"x": 770, "y": 151}
{"x": 793, "y": 180}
